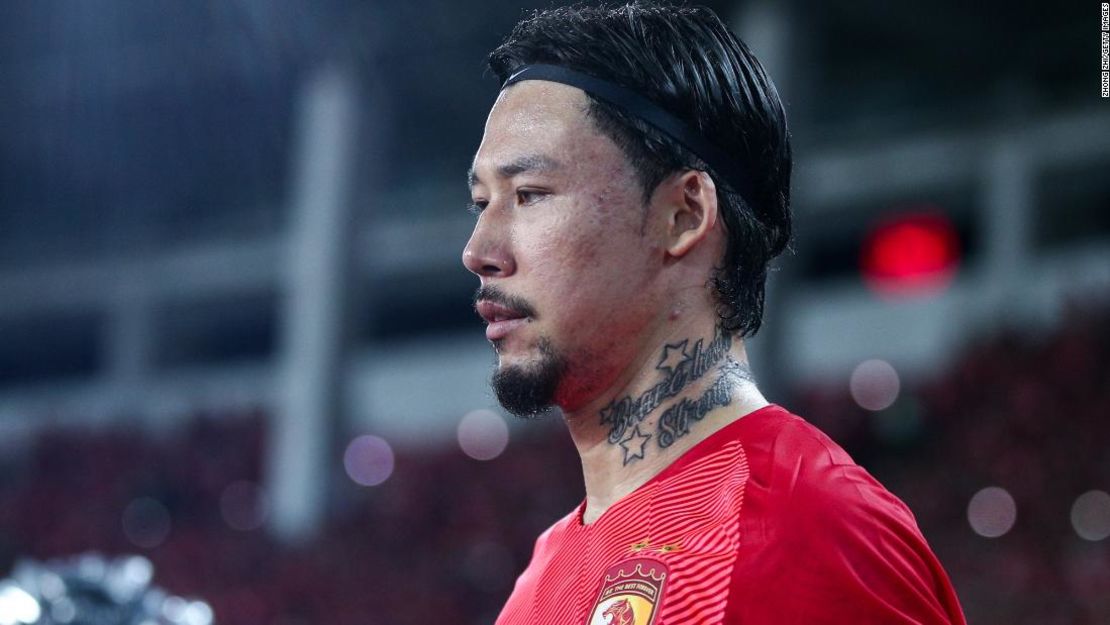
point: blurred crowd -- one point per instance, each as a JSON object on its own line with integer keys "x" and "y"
{"x": 1027, "y": 412}
{"x": 442, "y": 540}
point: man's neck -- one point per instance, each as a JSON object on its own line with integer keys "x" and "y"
{"x": 688, "y": 389}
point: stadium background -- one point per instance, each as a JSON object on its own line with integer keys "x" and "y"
{"x": 236, "y": 338}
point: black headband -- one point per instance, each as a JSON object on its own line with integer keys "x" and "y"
{"x": 635, "y": 104}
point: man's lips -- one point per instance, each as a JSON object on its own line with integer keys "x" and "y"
{"x": 501, "y": 319}
{"x": 499, "y": 329}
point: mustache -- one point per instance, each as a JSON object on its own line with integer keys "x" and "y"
{"x": 490, "y": 293}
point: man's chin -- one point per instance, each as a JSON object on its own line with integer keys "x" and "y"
{"x": 527, "y": 389}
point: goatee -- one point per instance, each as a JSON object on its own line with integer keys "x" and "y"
{"x": 528, "y": 391}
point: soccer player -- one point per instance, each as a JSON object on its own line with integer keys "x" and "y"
{"x": 631, "y": 187}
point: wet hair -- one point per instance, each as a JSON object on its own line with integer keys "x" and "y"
{"x": 684, "y": 59}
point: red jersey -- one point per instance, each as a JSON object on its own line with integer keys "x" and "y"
{"x": 767, "y": 521}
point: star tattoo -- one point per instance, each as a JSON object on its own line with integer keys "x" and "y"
{"x": 673, "y": 356}
{"x": 633, "y": 445}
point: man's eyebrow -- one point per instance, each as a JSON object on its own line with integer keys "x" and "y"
{"x": 532, "y": 162}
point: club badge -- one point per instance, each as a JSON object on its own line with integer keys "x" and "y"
{"x": 631, "y": 593}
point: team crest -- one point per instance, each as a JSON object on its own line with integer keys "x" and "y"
{"x": 631, "y": 593}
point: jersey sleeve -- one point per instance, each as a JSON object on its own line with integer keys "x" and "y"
{"x": 836, "y": 547}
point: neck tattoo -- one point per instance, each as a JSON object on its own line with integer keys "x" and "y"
{"x": 679, "y": 365}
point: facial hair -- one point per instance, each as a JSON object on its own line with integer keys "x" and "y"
{"x": 528, "y": 390}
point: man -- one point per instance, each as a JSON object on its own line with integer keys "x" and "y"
{"x": 631, "y": 188}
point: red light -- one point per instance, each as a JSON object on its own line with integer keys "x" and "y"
{"x": 910, "y": 254}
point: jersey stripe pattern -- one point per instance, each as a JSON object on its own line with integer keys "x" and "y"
{"x": 706, "y": 555}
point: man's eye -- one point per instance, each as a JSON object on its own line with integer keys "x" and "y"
{"x": 476, "y": 208}
{"x": 528, "y": 196}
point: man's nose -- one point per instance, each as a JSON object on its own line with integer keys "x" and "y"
{"x": 487, "y": 254}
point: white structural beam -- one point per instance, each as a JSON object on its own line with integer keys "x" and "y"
{"x": 128, "y": 337}
{"x": 317, "y": 280}
{"x": 833, "y": 176}
{"x": 205, "y": 270}
{"x": 1009, "y": 196}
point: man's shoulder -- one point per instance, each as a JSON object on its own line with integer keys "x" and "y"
{"x": 778, "y": 437}
{"x": 845, "y": 546}
{"x": 802, "y": 468}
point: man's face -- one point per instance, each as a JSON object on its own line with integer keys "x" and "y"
{"x": 563, "y": 249}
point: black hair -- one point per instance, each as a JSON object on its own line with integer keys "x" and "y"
{"x": 686, "y": 60}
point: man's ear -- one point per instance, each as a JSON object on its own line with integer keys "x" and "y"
{"x": 690, "y": 201}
